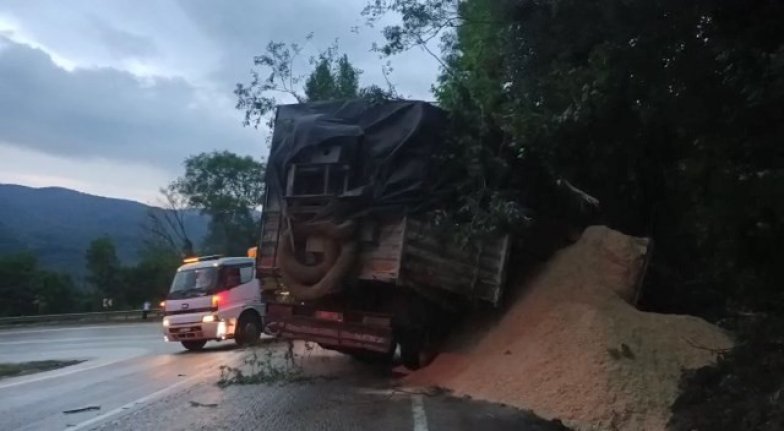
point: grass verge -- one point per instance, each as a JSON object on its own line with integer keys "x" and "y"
{"x": 24, "y": 368}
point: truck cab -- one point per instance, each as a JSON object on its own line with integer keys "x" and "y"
{"x": 213, "y": 298}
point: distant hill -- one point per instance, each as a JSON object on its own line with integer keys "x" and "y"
{"x": 57, "y": 225}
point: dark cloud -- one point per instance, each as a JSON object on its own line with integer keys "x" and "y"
{"x": 243, "y": 28}
{"x": 109, "y": 113}
{"x": 135, "y": 87}
{"x": 123, "y": 44}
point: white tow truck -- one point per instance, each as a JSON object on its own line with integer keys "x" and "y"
{"x": 214, "y": 298}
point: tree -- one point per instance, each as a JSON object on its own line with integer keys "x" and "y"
{"x": 668, "y": 113}
{"x": 16, "y": 294}
{"x": 103, "y": 270}
{"x": 149, "y": 280}
{"x": 230, "y": 189}
{"x": 54, "y": 293}
{"x": 258, "y": 98}
{"x": 333, "y": 78}
{"x": 346, "y": 79}
{"x": 165, "y": 226}
{"x": 321, "y": 85}
{"x": 27, "y": 289}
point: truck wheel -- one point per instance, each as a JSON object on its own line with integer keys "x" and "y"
{"x": 193, "y": 346}
{"x": 364, "y": 356}
{"x": 248, "y": 330}
{"x": 416, "y": 350}
{"x": 369, "y": 357}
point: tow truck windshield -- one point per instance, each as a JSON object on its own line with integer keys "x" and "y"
{"x": 194, "y": 282}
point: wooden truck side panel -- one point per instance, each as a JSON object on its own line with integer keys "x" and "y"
{"x": 430, "y": 261}
{"x": 381, "y": 246}
{"x": 404, "y": 252}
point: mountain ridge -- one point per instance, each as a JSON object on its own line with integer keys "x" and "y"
{"x": 57, "y": 224}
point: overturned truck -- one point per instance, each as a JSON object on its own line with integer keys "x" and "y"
{"x": 347, "y": 257}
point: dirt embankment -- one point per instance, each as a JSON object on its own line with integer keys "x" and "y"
{"x": 572, "y": 347}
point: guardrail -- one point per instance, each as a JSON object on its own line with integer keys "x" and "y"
{"x": 99, "y": 316}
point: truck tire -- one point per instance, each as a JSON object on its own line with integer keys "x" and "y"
{"x": 194, "y": 346}
{"x": 248, "y": 329}
{"x": 364, "y": 356}
{"x": 370, "y": 357}
{"x": 416, "y": 349}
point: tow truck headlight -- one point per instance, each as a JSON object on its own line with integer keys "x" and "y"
{"x": 209, "y": 318}
{"x": 165, "y": 322}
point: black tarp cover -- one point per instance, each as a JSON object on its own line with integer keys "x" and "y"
{"x": 389, "y": 146}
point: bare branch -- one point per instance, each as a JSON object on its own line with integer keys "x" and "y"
{"x": 165, "y": 225}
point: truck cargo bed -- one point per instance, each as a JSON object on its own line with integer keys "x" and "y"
{"x": 406, "y": 252}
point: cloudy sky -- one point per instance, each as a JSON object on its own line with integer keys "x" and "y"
{"x": 110, "y": 96}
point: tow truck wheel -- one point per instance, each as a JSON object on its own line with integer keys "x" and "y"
{"x": 248, "y": 330}
{"x": 194, "y": 345}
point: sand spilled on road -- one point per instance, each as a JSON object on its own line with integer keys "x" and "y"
{"x": 572, "y": 347}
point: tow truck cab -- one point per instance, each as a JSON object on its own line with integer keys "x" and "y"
{"x": 213, "y": 298}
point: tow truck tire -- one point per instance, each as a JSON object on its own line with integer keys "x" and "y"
{"x": 248, "y": 329}
{"x": 193, "y": 346}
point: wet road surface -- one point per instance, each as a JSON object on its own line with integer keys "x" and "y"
{"x": 139, "y": 382}
{"x": 123, "y": 363}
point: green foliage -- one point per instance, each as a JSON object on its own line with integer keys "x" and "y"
{"x": 26, "y": 289}
{"x": 149, "y": 280}
{"x": 422, "y": 21}
{"x": 742, "y": 391}
{"x": 274, "y": 367}
{"x": 669, "y": 113}
{"x": 103, "y": 270}
{"x": 257, "y": 98}
{"x": 229, "y": 188}
{"x": 332, "y": 79}
{"x": 321, "y": 85}
{"x": 376, "y": 94}
{"x": 24, "y": 368}
{"x": 346, "y": 79}
{"x": 128, "y": 286}
{"x": 222, "y": 182}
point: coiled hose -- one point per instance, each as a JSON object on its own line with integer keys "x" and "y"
{"x": 308, "y": 282}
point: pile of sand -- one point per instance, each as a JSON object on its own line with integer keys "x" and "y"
{"x": 573, "y": 348}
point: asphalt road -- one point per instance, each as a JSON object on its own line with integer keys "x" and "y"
{"x": 139, "y": 382}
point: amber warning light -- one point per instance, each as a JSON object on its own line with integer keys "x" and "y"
{"x": 201, "y": 258}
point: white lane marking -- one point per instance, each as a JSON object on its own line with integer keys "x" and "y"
{"x": 71, "y": 340}
{"x": 418, "y": 410}
{"x": 127, "y": 408}
{"x": 59, "y": 373}
{"x": 75, "y": 328}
